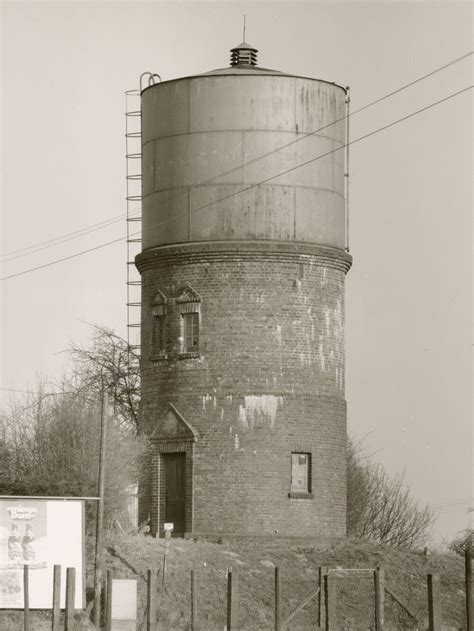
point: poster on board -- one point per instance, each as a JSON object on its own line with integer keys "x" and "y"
{"x": 40, "y": 533}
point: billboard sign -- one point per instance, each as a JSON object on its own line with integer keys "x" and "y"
{"x": 40, "y": 533}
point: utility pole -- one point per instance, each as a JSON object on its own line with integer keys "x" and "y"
{"x": 468, "y": 570}
{"x": 100, "y": 511}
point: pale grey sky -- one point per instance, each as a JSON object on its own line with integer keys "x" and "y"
{"x": 65, "y": 67}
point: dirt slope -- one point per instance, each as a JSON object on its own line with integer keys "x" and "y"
{"x": 405, "y": 572}
{"x": 131, "y": 557}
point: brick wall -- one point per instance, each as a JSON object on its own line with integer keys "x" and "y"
{"x": 268, "y": 381}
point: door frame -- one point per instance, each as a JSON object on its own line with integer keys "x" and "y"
{"x": 158, "y": 484}
{"x": 175, "y": 490}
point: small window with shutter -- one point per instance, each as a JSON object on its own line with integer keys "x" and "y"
{"x": 300, "y": 475}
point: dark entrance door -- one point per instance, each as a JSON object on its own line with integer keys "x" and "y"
{"x": 175, "y": 490}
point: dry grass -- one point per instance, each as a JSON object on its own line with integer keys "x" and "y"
{"x": 254, "y": 561}
{"x": 131, "y": 557}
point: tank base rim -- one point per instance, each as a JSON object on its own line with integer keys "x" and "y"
{"x": 327, "y": 255}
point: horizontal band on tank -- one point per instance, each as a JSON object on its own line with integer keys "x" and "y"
{"x": 184, "y": 188}
{"x": 277, "y": 250}
{"x": 251, "y": 130}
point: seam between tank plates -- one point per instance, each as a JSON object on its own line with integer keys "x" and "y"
{"x": 301, "y": 134}
{"x": 185, "y": 188}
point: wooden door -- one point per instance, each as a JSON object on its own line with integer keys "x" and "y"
{"x": 175, "y": 491}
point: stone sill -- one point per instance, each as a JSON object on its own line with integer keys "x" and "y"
{"x": 300, "y": 495}
{"x": 191, "y": 355}
{"x": 156, "y": 357}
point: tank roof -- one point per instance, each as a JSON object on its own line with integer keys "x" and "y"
{"x": 244, "y": 62}
{"x": 241, "y": 69}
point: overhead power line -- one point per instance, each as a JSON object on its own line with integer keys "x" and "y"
{"x": 37, "y": 392}
{"x": 51, "y": 243}
{"x": 273, "y": 177}
{"x": 443, "y": 505}
{"x": 26, "y": 251}
{"x": 17, "y": 390}
{"x": 454, "y": 510}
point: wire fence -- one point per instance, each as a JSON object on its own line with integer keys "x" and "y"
{"x": 406, "y": 602}
{"x": 326, "y": 599}
{"x": 245, "y": 598}
{"x": 354, "y": 597}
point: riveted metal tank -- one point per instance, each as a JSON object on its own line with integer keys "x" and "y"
{"x": 204, "y": 177}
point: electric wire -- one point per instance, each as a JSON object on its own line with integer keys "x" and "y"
{"x": 247, "y": 188}
{"x": 443, "y": 505}
{"x": 454, "y": 510}
{"x": 17, "y": 390}
{"x": 38, "y": 393}
{"x": 352, "y": 142}
{"x": 58, "y": 240}
{"x": 87, "y": 229}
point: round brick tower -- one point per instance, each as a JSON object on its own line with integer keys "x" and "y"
{"x": 242, "y": 323}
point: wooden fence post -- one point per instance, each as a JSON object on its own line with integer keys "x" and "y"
{"x": 330, "y": 600}
{"x": 232, "y": 601}
{"x": 152, "y": 597}
{"x": 193, "y": 601}
{"x": 56, "y": 613}
{"x": 70, "y": 598}
{"x": 277, "y": 599}
{"x": 322, "y": 572}
{"x": 165, "y": 555}
{"x": 468, "y": 570}
{"x": 108, "y": 601}
{"x": 26, "y": 599}
{"x": 379, "y": 584}
{"x": 434, "y": 611}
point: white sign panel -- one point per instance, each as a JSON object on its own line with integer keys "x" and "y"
{"x": 124, "y": 599}
{"x": 39, "y": 533}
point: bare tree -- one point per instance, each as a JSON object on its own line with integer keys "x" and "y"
{"x": 380, "y": 507}
{"x": 51, "y": 444}
{"x": 463, "y": 541}
{"x": 52, "y": 448}
{"x": 109, "y": 363}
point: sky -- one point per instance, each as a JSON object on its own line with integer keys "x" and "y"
{"x": 65, "y": 67}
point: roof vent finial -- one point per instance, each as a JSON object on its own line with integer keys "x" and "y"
{"x": 243, "y": 54}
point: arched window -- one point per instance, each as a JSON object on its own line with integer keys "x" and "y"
{"x": 189, "y": 306}
{"x": 158, "y": 333}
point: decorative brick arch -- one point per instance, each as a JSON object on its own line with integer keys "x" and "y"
{"x": 188, "y": 294}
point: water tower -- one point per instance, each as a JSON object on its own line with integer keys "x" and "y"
{"x": 243, "y": 267}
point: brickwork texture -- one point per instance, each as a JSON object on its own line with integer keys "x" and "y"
{"x": 267, "y": 380}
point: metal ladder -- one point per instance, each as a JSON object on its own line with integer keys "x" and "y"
{"x": 133, "y": 160}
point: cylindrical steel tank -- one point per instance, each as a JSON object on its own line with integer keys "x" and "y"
{"x": 243, "y": 268}
{"x": 198, "y": 132}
